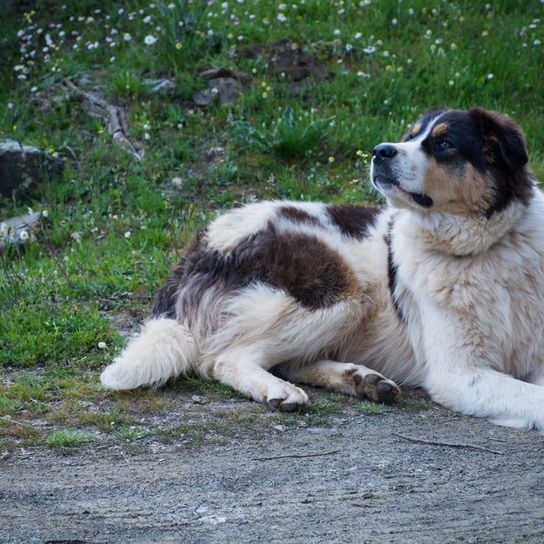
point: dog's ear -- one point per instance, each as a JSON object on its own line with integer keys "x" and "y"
{"x": 503, "y": 140}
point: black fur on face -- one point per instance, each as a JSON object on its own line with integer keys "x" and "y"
{"x": 493, "y": 144}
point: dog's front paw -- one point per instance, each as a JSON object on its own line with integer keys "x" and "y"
{"x": 288, "y": 398}
{"x": 375, "y": 387}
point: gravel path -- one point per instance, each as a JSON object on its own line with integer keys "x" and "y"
{"x": 385, "y": 478}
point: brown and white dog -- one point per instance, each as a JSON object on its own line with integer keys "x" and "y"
{"x": 443, "y": 289}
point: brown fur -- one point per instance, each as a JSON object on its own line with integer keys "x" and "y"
{"x": 440, "y": 130}
{"x": 297, "y": 215}
{"x": 461, "y": 191}
{"x": 303, "y": 266}
{"x": 415, "y": 130}
{"x": 352, "y": 220}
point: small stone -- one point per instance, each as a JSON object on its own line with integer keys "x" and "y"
{"x": 196, "y": 399}
{"x": 222, "y": 91}
{"x": 213, "y": 520}
{"x": 162, "y": 85}
{"x": 280, "y": 428}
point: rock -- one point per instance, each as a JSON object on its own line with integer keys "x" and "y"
{"x": 22, "y": 166}
{"x": 222, "y": 91}
{"x": 288, "y": 58}
{"x": 162, "y": 85}
{"x": 19, "y": 230}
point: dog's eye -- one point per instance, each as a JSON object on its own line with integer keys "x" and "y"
{"x": 443, "y": 145}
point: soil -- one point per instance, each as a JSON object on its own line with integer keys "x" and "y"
{"x": 400, "y": 476}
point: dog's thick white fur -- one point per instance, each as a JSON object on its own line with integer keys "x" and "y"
{"x": 443, "y": 289}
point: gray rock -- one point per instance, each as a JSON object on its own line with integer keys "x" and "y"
{"x": 22, "y": 166}
{"x": 19, "y": 230}
{"x": 214, "y": 73}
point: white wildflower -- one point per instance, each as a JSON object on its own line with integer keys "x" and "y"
{"x": 150, "y": 40}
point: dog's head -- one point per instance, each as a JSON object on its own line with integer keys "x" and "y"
{"x": 459, "y": 162}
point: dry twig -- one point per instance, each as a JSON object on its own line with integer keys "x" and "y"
{"x": 295, "y": 456}
{"x": 114, "y": 117}
{"x": 447, "y": 444}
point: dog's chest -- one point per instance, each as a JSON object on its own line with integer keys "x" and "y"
{"x": 495, "y": 301}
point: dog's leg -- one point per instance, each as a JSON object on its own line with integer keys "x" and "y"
{"x": 246, "y": 371}
{"x": 356, "y": 380}
{"x": 487, "y": 393}
{"x": 459, "y": 373}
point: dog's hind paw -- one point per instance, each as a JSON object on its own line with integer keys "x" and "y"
{"x": 375, "y": 387}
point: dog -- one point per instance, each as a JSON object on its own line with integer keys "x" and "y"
{"x": 442, "y": 289}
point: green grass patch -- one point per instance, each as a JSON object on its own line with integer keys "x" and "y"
{"x": 69, "y": 438}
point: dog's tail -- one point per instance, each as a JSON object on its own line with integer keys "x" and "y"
{"x": 164, "y": 349}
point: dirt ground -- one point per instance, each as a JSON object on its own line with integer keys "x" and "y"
{"x": 400, "y": 476}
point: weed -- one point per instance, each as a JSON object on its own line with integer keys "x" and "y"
{"x": 68, "y": 438}
{"x": 295, "y": 134}
{"x": 130, "y": 433}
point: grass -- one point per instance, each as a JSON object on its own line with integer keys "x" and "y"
{"x": 115, "y": 225}
{"x": 68, "y": 438}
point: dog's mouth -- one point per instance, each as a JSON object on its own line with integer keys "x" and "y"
{"x": 386, "y": 181}
{"x": 387, "y": 184}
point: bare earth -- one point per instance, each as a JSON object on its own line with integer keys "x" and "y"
{"x": 469, "y": 481}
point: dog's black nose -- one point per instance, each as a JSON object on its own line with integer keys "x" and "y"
{"x": 384, "y": 151}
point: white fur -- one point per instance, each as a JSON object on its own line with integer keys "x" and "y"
{"x": 163, "y": 350}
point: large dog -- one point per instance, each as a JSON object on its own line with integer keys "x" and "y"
{"x": 442, "y": 289}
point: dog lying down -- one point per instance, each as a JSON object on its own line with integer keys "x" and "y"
{"x": 442, "y": 289}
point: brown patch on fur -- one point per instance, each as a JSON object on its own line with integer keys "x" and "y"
{"x": 464, "y": 191}
{"x": 353, "y": 220}
{"x": 297, "y": 215}
{"x": 416, "y": 129}
{"x": 310, "y": 271}
{"x": 440, "y": 130}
